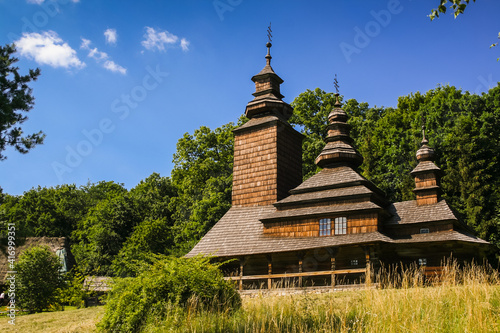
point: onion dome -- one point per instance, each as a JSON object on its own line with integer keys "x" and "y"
{"x": 425, "y": 153}
{"x": 268, "y": 99}
{"x": 339, "y": 147}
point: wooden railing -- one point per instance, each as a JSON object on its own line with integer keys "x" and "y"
{"x": 290, "y": 275}
{"x": 270, "y": 277}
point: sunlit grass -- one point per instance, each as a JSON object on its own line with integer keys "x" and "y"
{"x": 68, "y": 321}
{"x": 463, "y": 300}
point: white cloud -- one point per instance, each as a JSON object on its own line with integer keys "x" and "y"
{"x": 111, "y": 36}
{"x": 99, "y": 57}
{"x": 48, "y": 49}
{"x": 184, "y": 45}
{"x": 85, "y": 44}
{"x": 110, "y": 65}
{"x": 158, "y": 39}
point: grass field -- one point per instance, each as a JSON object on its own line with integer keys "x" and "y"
{"x": 464, "y": 302}
{"x": 70, "y": 321}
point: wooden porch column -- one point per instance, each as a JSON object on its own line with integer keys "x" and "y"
{"x": 269, "y": 271}
{"x": 300, "y": 256}
{"x": 332, "y": 268}
{"x": 368, "y": 274}
{"x": 333, "y": 253}
{"x": 242, "y": 264}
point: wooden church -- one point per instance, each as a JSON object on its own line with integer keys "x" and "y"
{"x": 334, "y": 226}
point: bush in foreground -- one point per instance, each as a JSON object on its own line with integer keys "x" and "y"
{"x": 38, "y": 279}
{"x": 168, "y": 287}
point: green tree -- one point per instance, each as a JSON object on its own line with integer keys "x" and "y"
{"x": 202, "y": 174}
{"x": 101, "y": 235}
{"x": 154, "y": 234}
{"x": 38, "y": 279}
{"x": 16, "y": 99}
{"x": 124, "y": 229}
{"x": 49, "y": 212}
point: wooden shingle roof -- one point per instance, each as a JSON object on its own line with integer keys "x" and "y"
{"x": 330, "y": 178}
{"x": 408, "y": 212}
{"x": 239, "y": 232}
{"x": 443, "y": 236}
{"x": 318, "y": 196}
{"x": 425, "y": 166}
{"x": 311, "y": 212}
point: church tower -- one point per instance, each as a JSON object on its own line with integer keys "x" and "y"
{"x": 267, "y": 150}
{"x": 426, "y": 175}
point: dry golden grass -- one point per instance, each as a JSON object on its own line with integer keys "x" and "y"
{"x": 71, "y": 321}
{"x": 464, "y": 300}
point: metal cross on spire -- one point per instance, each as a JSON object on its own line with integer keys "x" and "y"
{"x": 424, "y": 139}
{"x": 269, "y": 33}
{"x": 336, "y": 83}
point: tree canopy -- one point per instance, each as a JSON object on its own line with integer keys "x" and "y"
{"x": 119, "y": 232}
{"x": 16, "y": 100}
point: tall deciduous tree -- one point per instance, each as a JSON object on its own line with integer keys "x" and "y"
{"x": 202, "y": 174}
{"x": 16, "y": 100}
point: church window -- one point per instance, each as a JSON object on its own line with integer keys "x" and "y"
{"x": 340, "y": 226}
{"x": 325, "y": 227}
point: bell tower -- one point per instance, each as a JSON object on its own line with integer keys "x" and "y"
{"x": 267, "y": 149}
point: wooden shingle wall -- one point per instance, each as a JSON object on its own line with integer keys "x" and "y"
{"x": 267, "y": 164}
{"x": 425, "y": 180}
{"x": 356, "y": 223}
{"x": 427, "y": 197}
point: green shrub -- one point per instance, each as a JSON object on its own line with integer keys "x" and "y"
{"x": 38, "y": 279}
{"x": 170, "y": 285}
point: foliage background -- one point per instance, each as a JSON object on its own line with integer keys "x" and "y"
{"x": 114, "y": 231}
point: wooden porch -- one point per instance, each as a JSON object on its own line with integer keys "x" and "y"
{"x": 270, "y": 278}
{"x": 301, "y": 275}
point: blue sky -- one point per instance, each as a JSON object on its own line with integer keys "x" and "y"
{"x": 123, "y": 80}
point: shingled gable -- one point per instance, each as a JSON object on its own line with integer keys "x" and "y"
{"x": 277, "y": 223}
